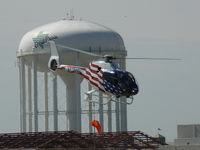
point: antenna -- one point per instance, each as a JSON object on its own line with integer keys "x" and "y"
{"x": 67, "y": 14}
{"x": 71, "y": 14}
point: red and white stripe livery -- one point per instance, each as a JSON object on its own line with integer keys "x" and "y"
{"x": 94, "y": 74}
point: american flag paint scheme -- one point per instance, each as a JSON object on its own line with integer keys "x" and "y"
{"x": 99, "y": 78}
{"x": 92, "y": 74}
{"x": 103, "y": 75}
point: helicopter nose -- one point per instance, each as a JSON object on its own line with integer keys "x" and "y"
{"x": 135, "y": 91}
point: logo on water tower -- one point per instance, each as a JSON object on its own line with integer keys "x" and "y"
{"x": 42, "y": 38}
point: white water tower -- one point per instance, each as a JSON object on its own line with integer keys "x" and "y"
{"x": 33, "y": 55}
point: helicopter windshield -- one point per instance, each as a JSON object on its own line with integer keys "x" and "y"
{"x": 111, "y": 77}
{"x": 114, "y": 77}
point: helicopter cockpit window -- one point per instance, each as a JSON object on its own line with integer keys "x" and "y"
{"x": 110, "y": 77}
{"x": 121, "y": 75}
{"x": 131, "y": 76}
{"x": 126, "y": 79}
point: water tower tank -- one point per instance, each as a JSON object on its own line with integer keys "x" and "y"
{"x": 83, "y": 35}
{"x": 34, "y": 53}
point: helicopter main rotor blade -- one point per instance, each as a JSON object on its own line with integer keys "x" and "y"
{"x": 78, "y": 50}
{"x": 100, "y": 56}
{"x": 146, "y": 58}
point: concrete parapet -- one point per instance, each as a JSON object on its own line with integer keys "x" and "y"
{"x": 187, "y": 141}
{"x": 183, "y": 147}
{"x": 188, "y": 131}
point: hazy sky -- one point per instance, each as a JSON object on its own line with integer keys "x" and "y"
{"x": 169, "y": 90}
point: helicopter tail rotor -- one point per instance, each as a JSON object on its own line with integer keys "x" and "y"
{"x": 53, "y": 63}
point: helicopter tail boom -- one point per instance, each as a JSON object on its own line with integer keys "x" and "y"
{"x": 54, "y": 59}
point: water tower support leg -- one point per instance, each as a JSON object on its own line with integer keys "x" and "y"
{"x": 123, "y": 107}
{"x": 46, "y": 101}
{"x": 73, "y": 82}
{"x": 22, "y": 95}
{"x": 35, "y": 94}
{"x": 90, "y": 110}
{"x": 123, "y": 115}
{"x": 67, "y": 111}
{"x": 78, "y": 90}
{"x": 101, "y": 111}
{"x": 20, "y": 83}
{"x": 78, "y": 106}
{"x": 109, "y": 116}
{"x": 30, "y": 99}
{"x": 73, "y": 107}
{"x": 117, "y": 117}
{"x": 55, "y": 103}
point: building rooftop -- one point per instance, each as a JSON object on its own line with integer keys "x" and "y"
{"x": 71, "y": 139}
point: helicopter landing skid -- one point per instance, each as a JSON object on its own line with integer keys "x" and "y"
{"x": 88, "y": 97}
{"x": 118, "y": 101}
{"x": 89, "y": 94}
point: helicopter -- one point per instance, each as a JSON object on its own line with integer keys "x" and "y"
{"x": 104, "y": 75}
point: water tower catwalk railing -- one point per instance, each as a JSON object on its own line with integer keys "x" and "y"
{"x": 113, "y": 116}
